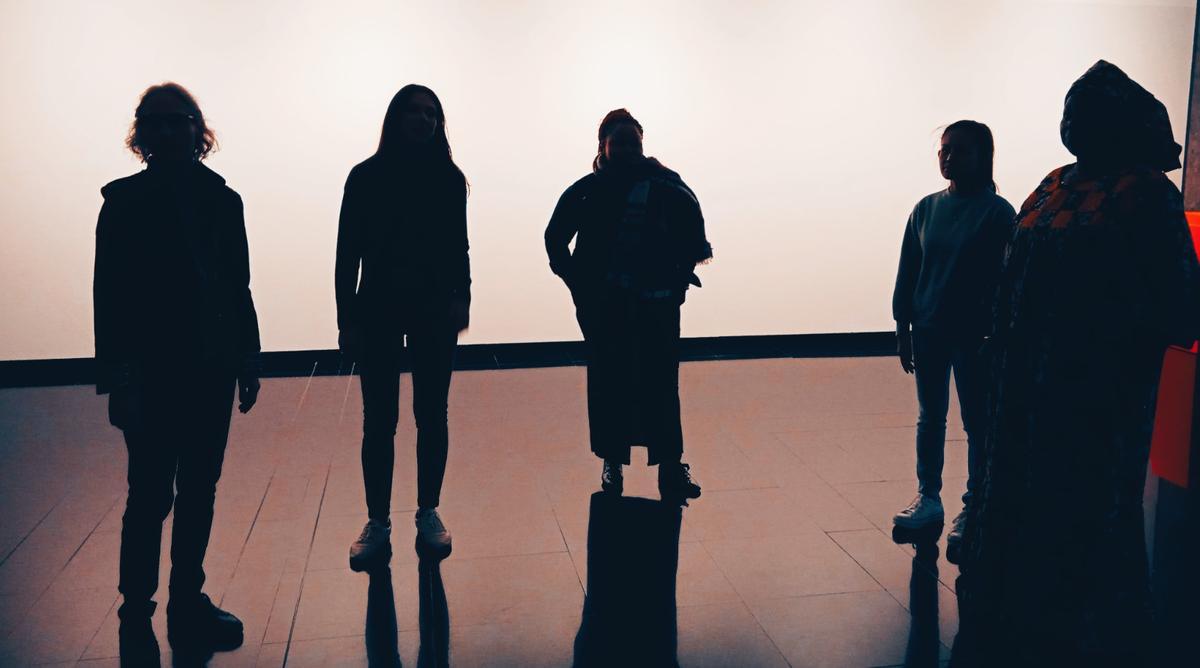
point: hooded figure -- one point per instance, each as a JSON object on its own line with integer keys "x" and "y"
{"x": 639, "y": 234}
{"x": 1100, "y": 276}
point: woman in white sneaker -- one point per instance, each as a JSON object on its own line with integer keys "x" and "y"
{"x": 404, "y": 224}
{"x": 949, "y": 264}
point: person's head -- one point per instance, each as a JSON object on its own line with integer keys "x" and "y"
{"x": 620, "y": 138}
{"x": 1109, "y": 121}
{"x": 414, "y": 121}
{"x": 966, "y": 155}
{"x": 168, "y": 126}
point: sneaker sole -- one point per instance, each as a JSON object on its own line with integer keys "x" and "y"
{"x": 904, "y": 523}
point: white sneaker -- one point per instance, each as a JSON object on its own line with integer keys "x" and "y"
{"x": 924, "y": 511}
{"x": 432, "y": 536}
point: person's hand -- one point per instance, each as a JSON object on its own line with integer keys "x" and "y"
{"x": 350, "y": 343}
{"x": 125, "y": 408}
{"x": 460, "y": 314}
{"x": 248, "y": 387}
{"x": 904, "y": 349}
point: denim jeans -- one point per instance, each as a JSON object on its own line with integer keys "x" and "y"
{"x": 937, "y": 352}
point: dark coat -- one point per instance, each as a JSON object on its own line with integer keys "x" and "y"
{"x": 172, "y": 276}
{"x": 593, "y": 210}
{"x": 405, "y": 226}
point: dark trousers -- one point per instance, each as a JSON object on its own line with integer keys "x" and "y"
{"x": 632, "y": 376}
{"x": 429, "y": 353}
{"x": 936, "y": 352}
{"x": 175, "y": 458}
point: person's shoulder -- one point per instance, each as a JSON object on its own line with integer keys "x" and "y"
{"x": 126, "y": 185}
{"x": 929, "y": 201}
{"x": 217, "y": 182}
{"x": 998, "y": 202}
{"x": 582, "y": 186}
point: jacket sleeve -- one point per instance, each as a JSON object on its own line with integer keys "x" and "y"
{"x": 563, "y": 226}
{"x": 459, "y": 247}
{"x": 696, "y": 247}
{"x": 1166, "y": 258}
{"x": 348, "y": 255}
{"x": 243, "y": 301}
{"x": 906, "y": 275}
{"x": 114, "y": 357}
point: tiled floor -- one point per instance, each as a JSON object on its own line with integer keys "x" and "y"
{"x": 787, "y": 559}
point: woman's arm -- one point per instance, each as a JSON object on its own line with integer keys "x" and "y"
{"x": 250, "y": 344}
{"x": 460, "y": 256}
{"x": 348, "y": 255}
{"x": 906, "y": 275}
{"x": 563, "y": 226}
{"x": 110, "y": 295}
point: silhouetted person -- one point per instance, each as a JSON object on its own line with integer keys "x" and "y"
{"x": 924, "y": 640}
{"x": 433, "y": 616}
{"x": 1099, "y": 278}
{"x": 176, "y": 333}
{"x": 638, "y": 236}
{"x": 380, "y": 634}
{"x": 404, "y": 224}
{"x": 949, "y": 264}
{"x": 629, "y": 613}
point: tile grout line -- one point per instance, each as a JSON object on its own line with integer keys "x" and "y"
{"x": 68, "y": 563}
{"x": 745, "y": 604}
{"x": 30, "y": 532}
{"x": 304, "y": 573}
{"x": 304, "y": 393}
{"x": 249, "y": 532}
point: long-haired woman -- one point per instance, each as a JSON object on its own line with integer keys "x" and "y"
{"x": 949, "y": 263}
{"x": 403, "y": 290}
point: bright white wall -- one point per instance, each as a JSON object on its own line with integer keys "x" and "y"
{"x": 807, "y": 127}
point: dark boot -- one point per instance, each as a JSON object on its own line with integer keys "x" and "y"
{"x": 675, "y": 483}
{"x": 612, "y": 479}
{"x": 138, "y": 645}
{"x": 198, "y": 625}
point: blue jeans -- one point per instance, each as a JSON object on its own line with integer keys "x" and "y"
{"x": 936, "y": 352}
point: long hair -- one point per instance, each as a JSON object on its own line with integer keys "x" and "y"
{"x": 981, "y": 136}
{"x": 391, "y": 136}
{"x": 206, "y": 139}
{"x": 612, "y": 120}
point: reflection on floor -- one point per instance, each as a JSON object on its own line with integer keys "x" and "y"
{"x": 787, "y": 558}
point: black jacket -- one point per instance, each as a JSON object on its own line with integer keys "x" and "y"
{"x": 405, "y": 225}
{"x": 172, "y": 276}
{"x": 659, "y": 256}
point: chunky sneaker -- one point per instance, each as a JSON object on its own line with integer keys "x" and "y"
{"x": 432, "y": 537}
{"x": 200, "y": 625}
{"x": 954, "y": 538}
{"x": 924, "y": 511}
{"x": 612, "y": 480}
{"x": 139, "y": 647}
{"x": 675, "y": 483}
{"x": 373, "y": 547}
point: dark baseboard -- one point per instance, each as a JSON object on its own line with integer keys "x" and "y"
{"x": 81, "y": 371}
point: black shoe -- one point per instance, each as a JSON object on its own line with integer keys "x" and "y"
{"x": 373, "y": 547}
{"x": 675, "y": 483}
{"x": 139, "y": 647}
{"x": 200, "y": 626}
{"x": 612, "y": 479}
{"x": 955, "y": 537}
{"x": 433, "y": 539}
